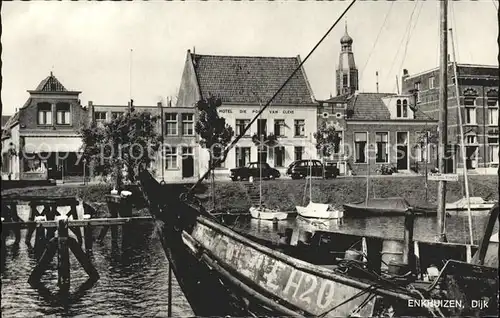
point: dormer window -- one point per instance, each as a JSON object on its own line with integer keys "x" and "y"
{"x": 402, "y": 108}
{"x": 431, "y": 82}
{"x": 44, "y": 114}
{"x": 63, "y": 114}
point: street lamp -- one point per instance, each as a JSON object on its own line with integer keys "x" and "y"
{"x": 84, "y": 176}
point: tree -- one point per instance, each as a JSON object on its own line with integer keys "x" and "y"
{"x": 215, "y": 134}
{"x": 264, "y": 141}
{"x": 128, "y": 141}
{"x": 327, "y": 141}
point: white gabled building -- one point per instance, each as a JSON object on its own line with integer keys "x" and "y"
{"x": 244, "y": 85}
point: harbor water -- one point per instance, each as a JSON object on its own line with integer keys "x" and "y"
{"x": 134, "y": 269}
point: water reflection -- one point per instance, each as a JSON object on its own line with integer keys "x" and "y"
{"x": 133, "y": 280}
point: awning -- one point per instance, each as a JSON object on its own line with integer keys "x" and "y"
{"x": 52, "y": 144}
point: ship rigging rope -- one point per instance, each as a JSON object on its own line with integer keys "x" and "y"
{"x": 235, "y": 141}
{"x": 378, "y": 35}
{"x": 402, "y": 39}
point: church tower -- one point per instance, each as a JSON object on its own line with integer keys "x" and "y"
{"x": 347, "y": 73}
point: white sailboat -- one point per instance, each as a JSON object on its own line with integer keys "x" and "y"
{"x": 318, "y": 210}
{"x": 261, "y": 211}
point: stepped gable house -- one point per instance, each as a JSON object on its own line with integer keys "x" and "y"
{"x": 244, "y": 85}
{"x": 478, "y": 89}
{"x": 41, "y": 139}
{"x": 375, "y": 128}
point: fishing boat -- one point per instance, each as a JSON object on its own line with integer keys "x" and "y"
{"x": 473, "y": 203}
{"x": 395, "y": 206}
{"x": 318, "y": 210}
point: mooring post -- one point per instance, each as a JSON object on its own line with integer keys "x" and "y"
{"x": 63, "y": 255}
{"x": 50, "y": 214}
{"x": 408, "y": 255}
{"x": 39, "y": 237}
{"x": 31, "y": 229}
{"x": 169, "y": 289}
{"x": 88, "y": 213}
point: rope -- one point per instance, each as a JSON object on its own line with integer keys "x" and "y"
{"x": 376, "y": 39}
{"x": 235, "y": 141}
{"x": 402, "y": 39}
{"x": 359, "y": 294}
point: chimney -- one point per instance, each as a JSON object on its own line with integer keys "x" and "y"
{"x": 159, "y": 104}
{"x": 91, "y": 111}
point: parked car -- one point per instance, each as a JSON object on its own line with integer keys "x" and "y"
{"x": 252, "y": 170}
{"x": 301, "y": 168}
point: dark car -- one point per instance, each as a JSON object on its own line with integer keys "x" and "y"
{"x": 253, "y": 170}
{"x": 301, "y": 168}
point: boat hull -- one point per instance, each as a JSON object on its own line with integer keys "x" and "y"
{"x": 319, "y": 211}
{"x": 267, "y": 214}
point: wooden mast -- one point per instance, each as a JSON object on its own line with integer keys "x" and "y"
{"x": 443, "y": 117}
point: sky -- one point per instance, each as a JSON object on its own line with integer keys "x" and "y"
{"x": 87, "y": 45}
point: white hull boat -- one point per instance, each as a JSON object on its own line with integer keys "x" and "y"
{"x": 319, "y": 211}
{"x": 476, "y": 203}
{"x": 264, "y": 213}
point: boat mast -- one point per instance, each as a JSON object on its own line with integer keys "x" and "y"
{"x": 462, "y": 142}
{"x": 443, "y": 117}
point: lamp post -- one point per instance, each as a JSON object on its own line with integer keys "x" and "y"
{"x": 84, "y": 175}
{"x": 414, "y": 92}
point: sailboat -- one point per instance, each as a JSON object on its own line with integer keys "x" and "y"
{"x": 261, "y": 211}
{"x": 226, "y": 273}
{"x": 318, "y": 210}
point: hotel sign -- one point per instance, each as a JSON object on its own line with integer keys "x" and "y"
{"x": 255, "y": 111}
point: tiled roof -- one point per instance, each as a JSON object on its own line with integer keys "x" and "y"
{"x": 242, "y": 79}
{"x": 368, "y": 106}
{"x": 50, "y": 84}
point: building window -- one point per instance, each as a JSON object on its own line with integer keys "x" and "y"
{"x": 431, "y": 82}
{"x": 63, "y": 114}
{"x": 381, "y": 138}
{"x": 100, "y": 117}
{"x": 405, "y": 108}
{"x": 360, "y": 140}
{"x": 337, "y": 149}
{"x": 188, "y": 124}
{"x": 44, "y": 114}
{"x": 300, "y": 128}
{"x": 279, "y": 156}
{"x": 493, "y": 116}
{"x": 115, "y": 115}
{"x": 418, "y": 88}
{"x": 217, "y": 154}
{"x": 399, "y": 110}
{"x": 493, "y": 150}
{"x": 171, "y": 158}
{"x": 241, "y": 124}
{"x": 262, "y": 127}
{"x": 470, "y": 139}
{"x": 34, "y": 164}
{"x": 345, "y": 81}
{"x": 171, "y": 124}
{"x": 470, "y": 115}
{"x": 242, "y": 156}
{"x": 492, "y": 102}
{"x": 279, "y": 127}
{"x": 298, "y": 151}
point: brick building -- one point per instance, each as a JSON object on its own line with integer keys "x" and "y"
{"x": 244, "y": 85}
{"x": 181, "y": 147}
{"x": 478, "y": 92}
{"x": 375, "y": 128}
{"x": 41, "y": 139}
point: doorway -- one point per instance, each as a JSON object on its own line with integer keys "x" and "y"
{"x": 402, "y": 150}
{"x": 187, "y": 162}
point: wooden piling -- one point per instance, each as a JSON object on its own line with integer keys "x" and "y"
{"x": 82, "y": 258}
{"x": 408, "y": 254}
{"x": 44, "y": 262}
{"x": 31, "y": 229}
{"x": 63, "y": 255}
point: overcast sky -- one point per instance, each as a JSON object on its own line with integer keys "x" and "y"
{"x": 87, "y": 44}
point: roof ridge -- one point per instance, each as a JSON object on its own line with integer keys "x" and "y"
{"x": 244, "y": 56}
